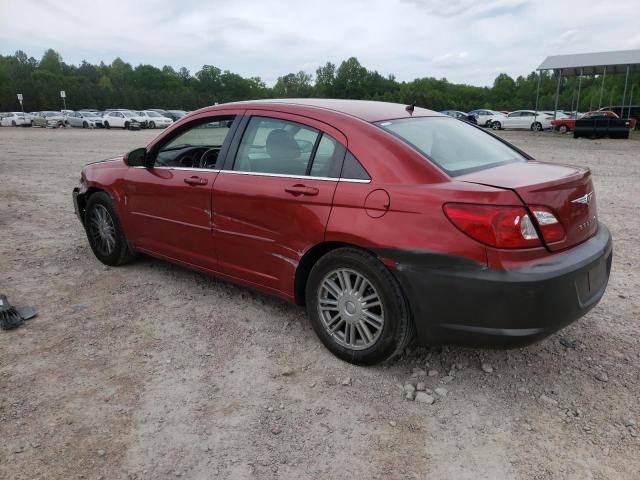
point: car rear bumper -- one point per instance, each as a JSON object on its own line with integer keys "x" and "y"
{"x": 455, "y": 301}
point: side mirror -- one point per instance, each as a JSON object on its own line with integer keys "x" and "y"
{"x": 136, "y": 158}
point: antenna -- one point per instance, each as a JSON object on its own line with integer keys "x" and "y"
{"x": 410, "y": 108}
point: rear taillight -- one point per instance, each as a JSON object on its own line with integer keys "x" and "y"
{"x": 496, "y": 226}
{"x": 550, "y": 227}
{"x": 505, "y": 226}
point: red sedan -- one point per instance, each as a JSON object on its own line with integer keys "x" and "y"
{"x": 564, "y": 125}
{"x": 385, "y": 221}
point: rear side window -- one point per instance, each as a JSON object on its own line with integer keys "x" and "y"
{"x": 353, "y": 169}
{"x": 456, "y": 147}
{"x": 277, "y": 146}
{"x": 328, "y": 157}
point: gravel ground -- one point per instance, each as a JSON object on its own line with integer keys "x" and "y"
{"x": 151, "y": 371}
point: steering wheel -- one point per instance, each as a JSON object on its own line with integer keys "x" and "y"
{"x": 209, "y": 158}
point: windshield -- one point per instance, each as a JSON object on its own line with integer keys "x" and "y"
{"x": 152, "y": 114}
{"x": 454, "y": 146}
{"x": 129, "y": 114}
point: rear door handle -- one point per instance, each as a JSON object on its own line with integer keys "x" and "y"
{"x": 302, "y": 190}
{"x": 195, "y": 180}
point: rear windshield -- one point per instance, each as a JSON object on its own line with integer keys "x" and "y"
{"x": 453, "y": 145}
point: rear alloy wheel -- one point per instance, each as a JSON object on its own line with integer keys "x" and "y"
{"x": 106, "y": 125}
{"x": 104, "y": 232}
{"x": 536, "y": 126}
{"x": 152, "y": 124}
{"x": 496, "y": 126}
{"x": 357, "y": 308}
{"x": 563, "y": 129}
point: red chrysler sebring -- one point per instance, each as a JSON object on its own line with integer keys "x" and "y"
{"x": 385, "y": 221}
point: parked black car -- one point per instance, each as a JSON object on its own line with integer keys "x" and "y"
{"x": 461, "y": 116}
{"x": 627, "y": 111}
{"x": 597, "y": 126}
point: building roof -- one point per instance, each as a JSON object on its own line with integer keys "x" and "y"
{"x": 593, "y": 63}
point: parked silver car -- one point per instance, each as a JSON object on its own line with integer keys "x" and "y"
{"x": 84, "y": 119}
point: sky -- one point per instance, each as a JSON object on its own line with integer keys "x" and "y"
{"x": 465, "y": 41}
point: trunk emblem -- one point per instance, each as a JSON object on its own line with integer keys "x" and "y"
{"x": 585, "y": 199}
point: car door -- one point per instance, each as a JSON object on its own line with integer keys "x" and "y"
{"x": 272, "y": 200}
{"x": 511, "y": 120}
{"x": 168, "y": 206}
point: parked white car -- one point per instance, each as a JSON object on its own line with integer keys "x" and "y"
{"x": 525, "y": 120}
{"x": 15, "y": 119}
{"x": 154, "y": 119}
{"x": 122, "y": 119}
{"x": 487, "y": 117}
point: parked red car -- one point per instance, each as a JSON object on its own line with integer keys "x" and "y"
{"x": 384, "y": 220}
{"x": 563, "y": 125}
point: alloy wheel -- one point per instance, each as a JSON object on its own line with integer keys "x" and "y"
{"x": 102, "y": 230}
{"x": 351, "y": 310}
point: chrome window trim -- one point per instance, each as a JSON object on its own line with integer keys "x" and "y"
{"x": 262, "y": 174}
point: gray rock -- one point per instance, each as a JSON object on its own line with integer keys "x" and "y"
{"x": 101, "y": 453}
{"x": 423, "y": 397}
{"x": 417, "y": 372}
{"x": 602, "y": 376}
{"x": 286, "y": 371}
{"x": 410, "y": 395}
{"x": 276, "y": 430}
{"x": 421, "y": 386}
{"x": 629, "y": 422}
{"x": 433, "y": 373}
{"x": 548, "y": 400}
{"x": 442, "y": 391}
{"x": 346, "y": 381}
{"x": 392, "y": 423}
{"x": 486, "y": 367}
{"x": 447, "y": 379}
{"x": 408, "y": 387}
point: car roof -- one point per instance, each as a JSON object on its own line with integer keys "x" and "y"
{"x": 367, "y": 110}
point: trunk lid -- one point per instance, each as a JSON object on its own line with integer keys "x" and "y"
{"x": 566, "y": 190}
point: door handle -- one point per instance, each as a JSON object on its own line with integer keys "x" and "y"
{"x": 195, "y": 180}
{"x": 302, "y": 190}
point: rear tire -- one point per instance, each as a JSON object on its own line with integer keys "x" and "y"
{"x": 106, "y": 125}
{"x": 496, "y": 126}
{"x": 536, "y": 126}
{"x": 372, "y": 312}
{"x": 104, "y": 231}
{"x": 152, "y": 124}
{"x": 563, "y": 129}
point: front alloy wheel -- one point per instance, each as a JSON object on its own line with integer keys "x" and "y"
{"x": 102, "y": 230}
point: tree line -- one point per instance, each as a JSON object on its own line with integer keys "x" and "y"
{"x": 121, "y": 85}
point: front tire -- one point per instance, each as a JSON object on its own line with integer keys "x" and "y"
{"x": 496, "y": 126}
{"x": 85, "y": 124}
{"x": 126, "y": 125}
{"x": 536, "y": 126}
{"x": 563, "y": 129}
{"x": 106, "y": 125}
{"x": 152, "y": 124}
{"x": 357, "y": 308}
{"x": 104, "y": 231}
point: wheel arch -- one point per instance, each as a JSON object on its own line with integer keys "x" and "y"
{"x": 310, "y": 258}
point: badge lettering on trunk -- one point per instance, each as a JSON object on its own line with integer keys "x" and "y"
{"x": 585, "y": 199}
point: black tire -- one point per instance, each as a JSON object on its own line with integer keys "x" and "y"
{"x": 85, "y": 124}
{"x": 121, "y": 252}
{"x": 487, "y": 123}
{"x": 127, "y": 125}
{"x": 563, "y": 128}
{"x": 536, "y": 126}
{"x": 496, "y": 126}
{"x": 106, "y": 125}
{"x": 13, "y": 123}
{"x": 152, "y": 124}
{"x": 397, "y": 329}
{"x": 32, "y": 124}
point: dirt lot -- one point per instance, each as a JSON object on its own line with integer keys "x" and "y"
{"x": 151, "y": 371}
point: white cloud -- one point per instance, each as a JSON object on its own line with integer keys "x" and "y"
{"x": 462, "y": 40}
